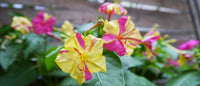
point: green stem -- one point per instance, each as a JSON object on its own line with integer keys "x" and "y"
{"x": 144, "y": 70}
{"x": 42, "y": 68}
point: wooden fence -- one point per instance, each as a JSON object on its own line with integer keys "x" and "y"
{"x": 173, "y": 16}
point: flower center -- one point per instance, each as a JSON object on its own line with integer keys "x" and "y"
{"x": 43, "y": 23}
{"x": 83, "y": 62}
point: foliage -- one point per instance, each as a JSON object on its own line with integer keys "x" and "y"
{"x": 29, "y": 58}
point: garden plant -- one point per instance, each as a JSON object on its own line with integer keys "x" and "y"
{"x": 102, "y": 53}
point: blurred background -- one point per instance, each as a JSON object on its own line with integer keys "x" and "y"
{"x": 178, "y": 18}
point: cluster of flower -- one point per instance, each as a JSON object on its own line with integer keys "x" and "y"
{"x": 82, "y": 55}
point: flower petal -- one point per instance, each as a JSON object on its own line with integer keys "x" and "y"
{"x": 111, "y": 27}
{"x": 80, "y": 40}
{"x": 94, "y": 46}
{"x": 67, "y": 28}
{"x": 116, "y": 46}
{"x": 96, "y": 64}
{"x": 122, "y": 22}
{"x": 66, "y": 58}
{"x": 88, "y": 75}
{"x": 188, "y": 45}
{"x": 182, "y": 60}
{"x": 119, "y": 9}
{"x": 72, "y": 44}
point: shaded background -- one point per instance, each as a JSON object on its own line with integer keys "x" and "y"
{"x": 178, "y": 18}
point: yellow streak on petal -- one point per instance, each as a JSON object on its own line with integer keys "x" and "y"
{"x": 111, "y": 27}
{"x": 46, "y": 16}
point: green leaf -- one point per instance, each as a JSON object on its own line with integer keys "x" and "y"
{"x": 20, "y": 74}
{"x": 85, "y": 27}
{"x": 8, "y": 56}
{"x": 5, "y": 29}
{"x": 134, "y": 80}
{"x": 68, "y": 81}
{"x": 128, "y": 62}
{"x": 186, "y": 79}
{"x": 33, "y": 42}
{"x": 50, "y": 57}
{"x": 172, "y": 52}
{"x": 58, "y": 73}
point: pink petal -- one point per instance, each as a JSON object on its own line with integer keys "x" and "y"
{"x": 88, "y": 75}
{"x": 188, "y": 45}
{"x": 103, "y": 8}
{"x": 108, "y": 37}
{"x": 122, "y": 22}
{"x": 153, "y": 39}
{"x": 149, "y": 46}
{"x": 80, "y": 40}
{"x": 189, "y": 56}
{"x": 116, "y": 46}
{"x": 174, "y": 63}
{"x": 64, "y": 51}
{"x": 113, "y": 44}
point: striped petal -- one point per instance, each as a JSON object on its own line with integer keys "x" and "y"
{"x": 125, "y": 37}
{"x": 108, "y": 7}
{"x": 81, "y": 57}
{"x": 21, "y": 24}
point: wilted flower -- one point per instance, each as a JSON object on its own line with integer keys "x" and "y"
{"x": 121, "y": 36}
{"x": 21, "y": 24}
{"x": 43, "y": 23}
{"x": 188, "y": 45}
{"x": 67, "y": 28}
{"x": 81, "y": 57}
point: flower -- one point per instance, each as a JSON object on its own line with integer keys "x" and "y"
{"x": 67, "y": 28}
{"x": 148, "y": 41}
{"x": 112, "y": 8}
{"x": 121, "y": 36}
{"x": 81, "y": 57}
{"x": 188, "y": 45}
{"x": 21, "y": 24}
{"x": 43, "y": 23}
{"x": 183, "y": 57}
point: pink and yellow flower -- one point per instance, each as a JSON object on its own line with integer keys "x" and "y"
{"x": 21, "y": 24}
{"x": 121, "y": 36}
{"x": 148, "y": 41}
{"x": 81, "y": 57}
{"x": 43, "y": 23}
{"x": 188, "y": 45}
{"x": 112, "y": 8}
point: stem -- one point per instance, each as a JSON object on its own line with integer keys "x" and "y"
{"x": 109, "y": 15}
{"x": 99, "y": 22}
{"x": 144, "y": 70}
{"x": 41, "y": 63}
